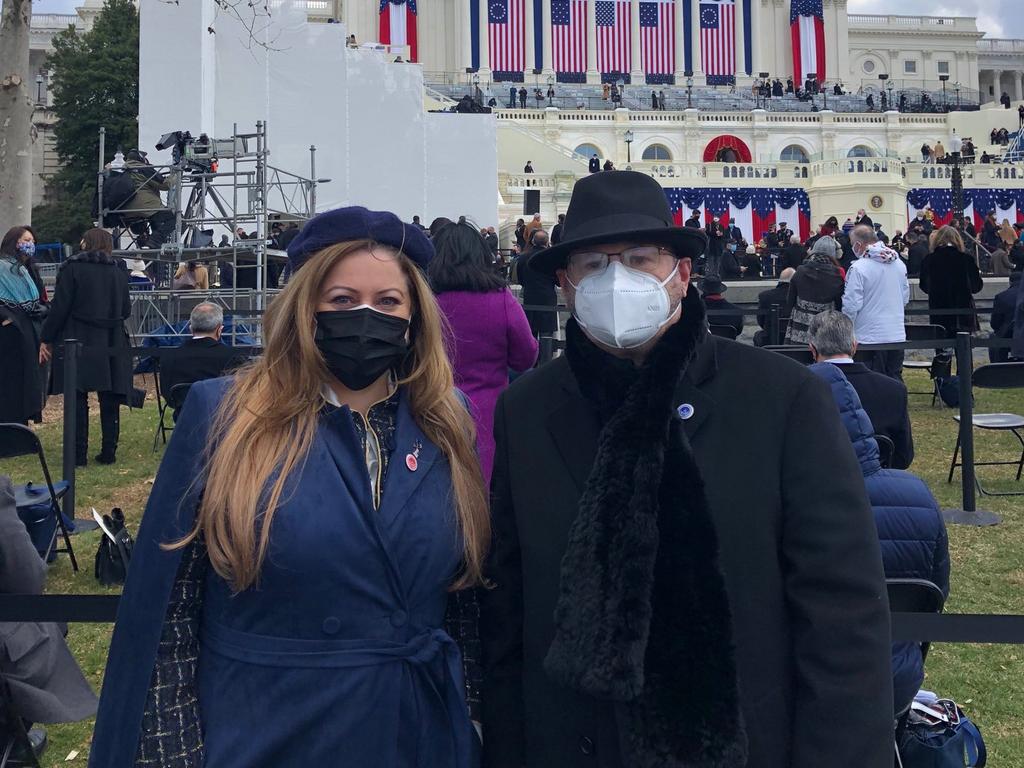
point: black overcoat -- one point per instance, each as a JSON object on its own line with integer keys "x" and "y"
{"x": 797, "y": 545}
{"x": 950, "y": 277}
{"x": 90, "y": 304}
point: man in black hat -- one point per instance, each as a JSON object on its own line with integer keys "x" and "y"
{"x": 731, "y": 317}
{"x": 673, "y": 586}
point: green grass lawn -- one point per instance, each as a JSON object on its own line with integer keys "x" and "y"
{"x": 987, "y": 571}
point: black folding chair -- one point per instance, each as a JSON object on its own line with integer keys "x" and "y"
{"x": 19, "y": 440}
{"x": 996, "y": 376}
{"x": 176, "y": 398}
{"x": 723, "y": 331}
{"x": 912, "y": 596}
{"x": 15, "y": 745}
{"x": 924, "y": 332}
{"x": 162, "y": 427}
{"x": 886, "y": 450}
{"x": 799, "y": 353}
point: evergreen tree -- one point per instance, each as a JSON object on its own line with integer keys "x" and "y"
{"x": 95, "y": 84}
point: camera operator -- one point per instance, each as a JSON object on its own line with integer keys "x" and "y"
{"x": 146, "y": 205}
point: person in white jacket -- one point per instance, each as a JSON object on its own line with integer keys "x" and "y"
{"x": 876, "y": 293}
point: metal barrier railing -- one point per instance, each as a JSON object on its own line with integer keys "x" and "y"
{"x": 950, "y": 628}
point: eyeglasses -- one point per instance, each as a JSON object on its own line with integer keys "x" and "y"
{"x": 643, "y": 258}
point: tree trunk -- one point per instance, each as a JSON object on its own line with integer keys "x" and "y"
{"x": 15, "y": 115}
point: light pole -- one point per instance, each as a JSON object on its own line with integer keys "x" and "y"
{"x": 551, "y": 91}
{"x": 956, "y": 87}
{"x": 628, "y": 137}
{"x": 945, "y": 105}
{"x": 39, "y": 88}
{"x": 689, "y": 89}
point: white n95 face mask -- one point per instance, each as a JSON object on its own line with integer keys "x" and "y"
{"x": 623, "y": 307}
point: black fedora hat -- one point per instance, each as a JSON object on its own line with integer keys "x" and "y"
{"x": 613, "y": 206}
{"x": 712, "y": 286}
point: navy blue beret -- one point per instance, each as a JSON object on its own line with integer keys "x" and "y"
{"x": 358, "y": 223}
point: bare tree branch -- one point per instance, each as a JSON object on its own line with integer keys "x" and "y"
{"x": 253, "y": 15}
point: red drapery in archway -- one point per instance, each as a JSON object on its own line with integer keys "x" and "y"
{"x": 727, "y": 142}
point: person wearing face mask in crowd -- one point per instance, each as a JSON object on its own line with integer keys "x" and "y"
{"x": 638, "y": 586}
{"x": 327, "y": 506}
{"x": 22, "y": 309}
{"x": 875, "y": 296}
{"x": 716, "y": 236}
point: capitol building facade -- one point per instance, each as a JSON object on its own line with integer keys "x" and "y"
{"x": 670, "y": 88}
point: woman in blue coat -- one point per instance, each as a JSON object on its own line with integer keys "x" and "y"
{"x": 911, "y": 531}
{"x": 310, "y": 522}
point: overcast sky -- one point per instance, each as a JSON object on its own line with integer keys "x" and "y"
{"x": 998, "y": 18}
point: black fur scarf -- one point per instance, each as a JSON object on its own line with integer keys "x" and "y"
{"x": 642, "y": 616}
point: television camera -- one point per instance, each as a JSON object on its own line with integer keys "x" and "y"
{"x": 197, "y": 155}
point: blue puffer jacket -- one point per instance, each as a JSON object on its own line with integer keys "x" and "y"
{"x": 911, "y": 531}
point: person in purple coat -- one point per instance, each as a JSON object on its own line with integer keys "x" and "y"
{"x": 488, "y": 330}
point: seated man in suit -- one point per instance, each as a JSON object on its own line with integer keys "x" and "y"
{"x": 765, "y": 300}
{"x": 201, "y": 357}
{"x": 1004, "y": 309}
{"x": 45, "y": 682}
{"x": 884, "y": 398}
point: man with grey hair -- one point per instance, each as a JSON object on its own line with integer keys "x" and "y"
{"x": 876, "y": 293}
{"x": 884, "y": 399}
{"x": 201, "y": 357}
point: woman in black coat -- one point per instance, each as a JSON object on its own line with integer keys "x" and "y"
{"x": 91, "y": 303}
{"x": 950, "y": 278}
{"x": 22, "y": 307}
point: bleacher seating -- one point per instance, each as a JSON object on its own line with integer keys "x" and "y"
{"x": 703, "y": 98}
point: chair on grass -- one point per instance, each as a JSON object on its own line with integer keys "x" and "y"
{"x": 19, "y": 440}
{"x": 912, "y": 596}
{"x": 176, "y": 397}
{"x": 15, "y": 747}
{"x": 799, "y": 353}
{"x": 996, "y": 376}
{"x": 924, "y": 332}
{"x": 886, "y": 449}
{"x": 162, "y": 427}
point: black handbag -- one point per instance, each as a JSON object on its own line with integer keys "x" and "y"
{"x": 115, "y": 550}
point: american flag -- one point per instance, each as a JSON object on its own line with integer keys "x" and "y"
{"x": 505, "y": 35}
{"x": 718, "y": 40}
{"x": 658, "y": 37}
{"x": 614, "y": 53}
{"x": 807, "y": 30}
{"x": 569, "y": 35}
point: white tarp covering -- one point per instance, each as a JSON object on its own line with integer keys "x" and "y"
{"x": 363, "y": 113}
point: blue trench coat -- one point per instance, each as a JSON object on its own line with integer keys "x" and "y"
{"x": 338, "y": 656}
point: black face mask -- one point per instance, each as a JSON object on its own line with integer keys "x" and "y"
{"x": 360, "y": 345}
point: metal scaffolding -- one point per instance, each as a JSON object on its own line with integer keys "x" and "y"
{"x": 214, "y": 187}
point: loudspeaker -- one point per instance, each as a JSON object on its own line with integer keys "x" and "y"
{"x": 531, "y": 202}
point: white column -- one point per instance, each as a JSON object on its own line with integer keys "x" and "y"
{"x": 593, "y": 75}
{"x": 698, "y": 71}
{"x": 756, "y": 65}
{"x": 466, "y": 35}
{"x": 637, "y": 73}
{"x": 1018, "y": 87}
{"x": 485, "y": 52}
{"x": 740, "y": 42}
{"x": 680, "y": 43}
{"x": 529, "y": 48}
{"x": 548, "y": 65}
{"x": 997, "y": 85}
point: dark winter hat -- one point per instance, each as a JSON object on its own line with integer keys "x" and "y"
{"x": 618, "y": 206}
{"x": 712, "y": 286}
{"x": 358, "y": 223}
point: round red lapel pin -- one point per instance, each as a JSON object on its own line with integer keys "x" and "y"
{"x": 411, "y": 462}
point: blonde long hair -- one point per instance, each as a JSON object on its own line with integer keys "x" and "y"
{"x": 265, "y": 426}
{"x": 944, "y": 236}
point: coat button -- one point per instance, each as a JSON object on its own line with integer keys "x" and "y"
{"x": 331, "y": 625}
{"x": 587, "y": 745}
{"x": 399, "y": 618}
